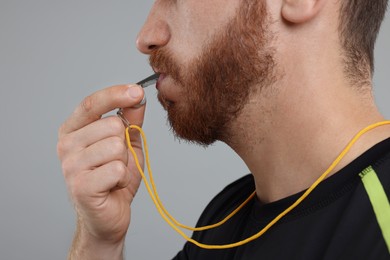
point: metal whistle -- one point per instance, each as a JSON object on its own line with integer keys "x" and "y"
{"x": 143, "y": 83}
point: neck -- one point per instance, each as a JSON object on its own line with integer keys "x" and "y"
{"x": 299, "y": 134}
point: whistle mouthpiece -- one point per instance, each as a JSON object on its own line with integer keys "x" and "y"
{"x": 149, "y": 81}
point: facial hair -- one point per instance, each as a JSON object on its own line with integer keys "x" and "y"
{"x": 216, "y": 86}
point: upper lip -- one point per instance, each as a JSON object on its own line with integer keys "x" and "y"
{"x": 156, "y": 70}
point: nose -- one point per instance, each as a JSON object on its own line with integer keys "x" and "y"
{"x": 155, "y": 33}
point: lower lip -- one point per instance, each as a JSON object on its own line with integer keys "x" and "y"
{"x": 160, "y": 79}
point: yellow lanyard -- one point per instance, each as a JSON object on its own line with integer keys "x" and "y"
{"x": 176, "y": 225}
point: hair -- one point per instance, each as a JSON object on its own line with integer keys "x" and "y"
{"x": 360, "y": 21}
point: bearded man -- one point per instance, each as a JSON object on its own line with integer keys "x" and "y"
{"x": 286, "y": 84}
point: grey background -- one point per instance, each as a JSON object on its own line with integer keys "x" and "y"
{"x": 52, "y": 54}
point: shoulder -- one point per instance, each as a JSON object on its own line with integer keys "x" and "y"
{"x": 382, "y": 169}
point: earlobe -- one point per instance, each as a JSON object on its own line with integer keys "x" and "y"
{"x": 301, "y": 11}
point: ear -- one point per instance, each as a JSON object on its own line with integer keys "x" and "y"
{"x": 300, "y": 11}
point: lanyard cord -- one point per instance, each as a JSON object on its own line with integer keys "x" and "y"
{"x": 176, "y": 225}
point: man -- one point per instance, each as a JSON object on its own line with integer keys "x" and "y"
{"x": 286, "y": 84}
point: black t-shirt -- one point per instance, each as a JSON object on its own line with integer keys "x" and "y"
{"x": 336, "y": 221}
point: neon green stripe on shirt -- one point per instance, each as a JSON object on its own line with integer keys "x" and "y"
{"x": 379, "y": 201}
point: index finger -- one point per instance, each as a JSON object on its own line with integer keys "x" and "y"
{"x": 101, "y": 102}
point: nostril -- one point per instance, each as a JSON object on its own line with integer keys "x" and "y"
{"x": 154, "y": 34}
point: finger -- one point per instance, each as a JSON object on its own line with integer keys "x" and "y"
{"x": 112, "y": 175}
{"x": 92, "y": 133}
{"x": 100, "y": 153}
{"x": 101, "y": 102}
{"x": 135, "y": 181}
{"x": 135, "y": 116}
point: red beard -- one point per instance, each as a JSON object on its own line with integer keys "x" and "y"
{"x": 217, "y": 85}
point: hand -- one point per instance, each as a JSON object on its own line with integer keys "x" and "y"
{"x": 99, "y": 171}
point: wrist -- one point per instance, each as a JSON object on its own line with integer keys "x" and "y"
{"x": 87, "y": 246}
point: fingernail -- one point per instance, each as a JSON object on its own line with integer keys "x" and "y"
{"x": 143, "y": 101}
{"x": 135, "y": 91}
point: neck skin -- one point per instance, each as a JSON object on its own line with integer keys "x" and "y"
{"x": 308, "y": 117}
{"x": 288, "y": 147}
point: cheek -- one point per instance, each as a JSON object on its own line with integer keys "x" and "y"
{"x": 197, "y": 21}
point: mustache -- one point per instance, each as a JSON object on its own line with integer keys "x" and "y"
{"x": 162, "y": 61}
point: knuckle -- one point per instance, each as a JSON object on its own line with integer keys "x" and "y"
{"x": 87, "y": 103}
{"x": 118, "y": 146}
{"x": 75, "y": 188}
{"x": 63, "y": 145}
{"x": 116, "y": 125}
{"x": 60, "y": 149}
{"x": 119, "y": 167}
{"x": 87, "y": 106}
{"x": 68, "y": 167}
